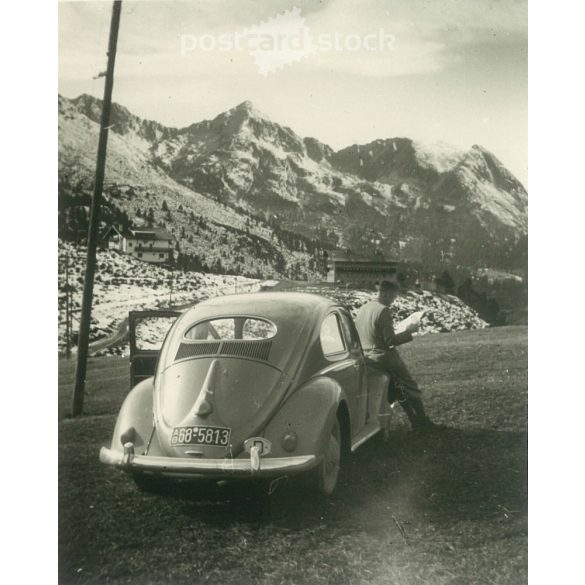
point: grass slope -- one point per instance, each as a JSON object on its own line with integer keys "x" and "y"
{"x": 446, "y": 510}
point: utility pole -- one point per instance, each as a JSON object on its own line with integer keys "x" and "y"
{"x": 67, "y": 311}
{"x": 83, "y": 343}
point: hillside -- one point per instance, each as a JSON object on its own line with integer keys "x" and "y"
{"x": 123, "y": 283}
{"x": 465, "y": 201}
{"x": 137, "y": 191}
{"x": 248, "y": 195}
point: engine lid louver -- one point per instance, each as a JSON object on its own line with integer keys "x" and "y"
{"x": 259, "y": 350}
{"x": 255, "y": 349}
{"x": 187, "y": 350}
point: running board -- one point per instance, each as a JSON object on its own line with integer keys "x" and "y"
{"x": 366, "y": 433}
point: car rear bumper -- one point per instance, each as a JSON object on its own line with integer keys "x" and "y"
{"x": 184, "y": 468}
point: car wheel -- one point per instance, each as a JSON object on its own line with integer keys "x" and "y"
{"x": 327, "y": 473}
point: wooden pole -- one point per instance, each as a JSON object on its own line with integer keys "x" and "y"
{"x": 83, "y": 342}
{"x": 67, "y": 311}
{"x": 171, "y": 288}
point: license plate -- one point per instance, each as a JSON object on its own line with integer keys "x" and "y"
{"x": 219, "y": 436}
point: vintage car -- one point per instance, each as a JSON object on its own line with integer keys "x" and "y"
{"x": 260, "y": 385}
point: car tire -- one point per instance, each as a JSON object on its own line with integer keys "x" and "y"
{"x": 327, "y": 473}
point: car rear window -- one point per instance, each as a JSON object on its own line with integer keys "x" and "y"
{"x": 248, "y": 328}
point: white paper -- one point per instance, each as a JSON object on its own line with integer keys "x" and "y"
{"x": 411, "y": 322}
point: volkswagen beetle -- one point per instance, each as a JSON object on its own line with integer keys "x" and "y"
{"x": 260, "y": 385}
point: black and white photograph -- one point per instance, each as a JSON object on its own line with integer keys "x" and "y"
{"x": 292, "y": 277}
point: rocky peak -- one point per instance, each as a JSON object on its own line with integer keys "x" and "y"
{"x": 390, "y": 160}
{"x": 317, "y": 150}
{"x": 487, "y": 167}
{"x": 122, "y": 121}
{"x": 248, "y": 107}
{"x": 401, "y": 188}
{"x": 242, "y": 113}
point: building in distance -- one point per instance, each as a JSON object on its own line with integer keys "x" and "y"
{"x": 363, "y": 271}
{"x": 148, "y": 244}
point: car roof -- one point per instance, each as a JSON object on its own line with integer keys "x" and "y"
{"x": 272, "y": 305}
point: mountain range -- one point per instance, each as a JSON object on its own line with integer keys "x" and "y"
{"x": 251, "y": 194}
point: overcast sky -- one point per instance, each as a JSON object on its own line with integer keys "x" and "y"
{"x": 434, "y": 70}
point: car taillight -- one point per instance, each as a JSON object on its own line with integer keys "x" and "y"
{"x": 128, "y": 436}
{"x": 289, "y": 441}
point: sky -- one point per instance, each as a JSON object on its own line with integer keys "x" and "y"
{"x": 342, "y": 71}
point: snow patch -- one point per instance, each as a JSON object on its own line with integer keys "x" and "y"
{"x": 439, "y": 156}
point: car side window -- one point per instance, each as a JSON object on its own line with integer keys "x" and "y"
{"x": 331, "y": 338}
{"x": 350, "y": 332}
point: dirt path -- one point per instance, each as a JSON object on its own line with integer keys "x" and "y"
{"x": 119, "y": 337}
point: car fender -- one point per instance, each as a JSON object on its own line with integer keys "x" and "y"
{"x": 309, "y": 413}
{"x": 136, "y": 413}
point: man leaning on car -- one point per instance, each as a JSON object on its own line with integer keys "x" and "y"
{"x": 379, "y": 340}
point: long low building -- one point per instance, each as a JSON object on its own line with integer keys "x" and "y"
{"x": 364, "y": 271}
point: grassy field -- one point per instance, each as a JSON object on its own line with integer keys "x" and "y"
{"x": 449, "y": 509}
